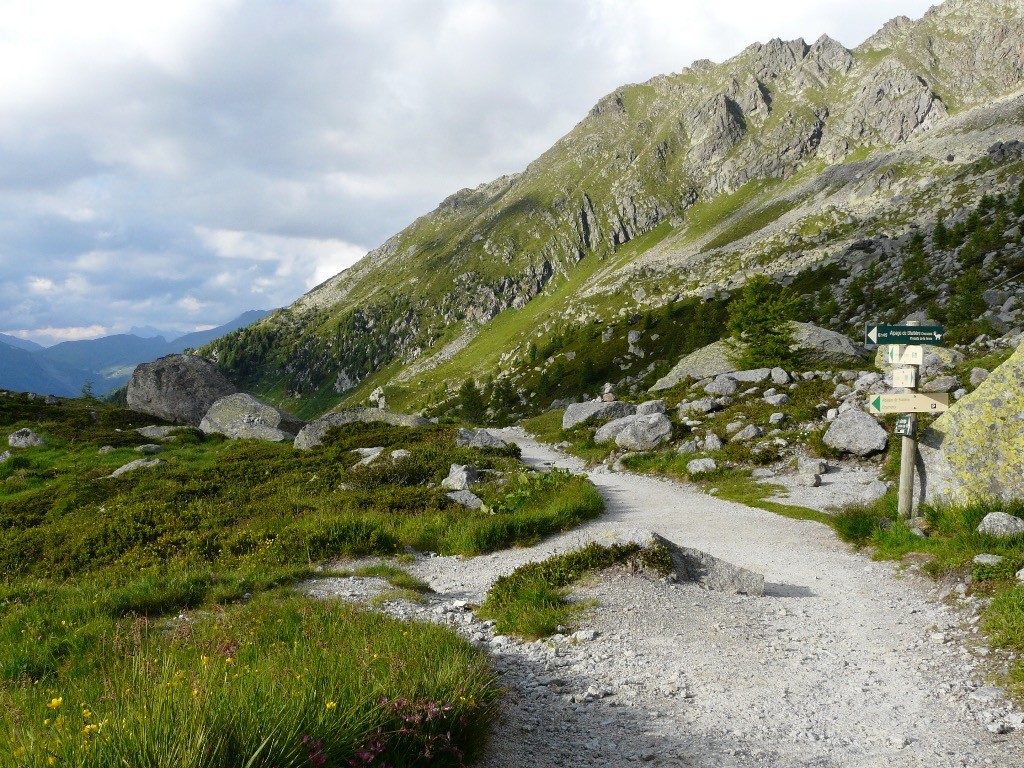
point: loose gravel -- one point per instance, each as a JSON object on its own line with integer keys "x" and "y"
{"x": 845, "y": 663}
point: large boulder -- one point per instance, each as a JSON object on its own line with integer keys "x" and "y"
{"x": 856, "y": 432}
{"x": 818, "y": 345}
{"x": 606, "y": 433}
{"x": 241, "y": 416}
{"x": 25, "y": 438}
{"x": 824, "y": 347}
{"x": 313, "y": 433}
{"x": 177, "y": 388}
{"x": 478, "y": 438}
{"x": 645, "y": 433}
{"x": 600, "y": 410}
{"x": 975, "y": 450}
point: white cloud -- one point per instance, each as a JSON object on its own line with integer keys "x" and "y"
{"x": 159, "y": 161}
{"x": 51, "y": 335}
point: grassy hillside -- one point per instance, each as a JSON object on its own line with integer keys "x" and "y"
{"x": 138, "y": 608}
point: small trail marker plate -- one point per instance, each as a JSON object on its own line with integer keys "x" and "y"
{"x": 904, "y": 377}
{"x": 904, "y": 334}
{"x": 912, "y": 402}
{"x": 900, "y": 355}
{"x": 904, "y": 427}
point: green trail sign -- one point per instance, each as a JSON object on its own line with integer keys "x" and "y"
{"x": 911, "y": 402}
{"x": 904, "y": 334}
{"x": 904, "y": 427}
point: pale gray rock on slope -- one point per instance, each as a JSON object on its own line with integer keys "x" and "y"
{"x": 701, "y": 466}
{"x": 753, "y": 376}
{"x": 974, "y": 450}
{"x": 149, "y": 448}
{"x": 876, "y": 489}
{"x": 779, "y": 399}
{"x": 987, "y": 559}
{"x": 722, "y": 386}
{"x": 177, "y": 388}
{"x": 780, "y": 376}
{"x": 645, "y": 433}
{"x": 704, "y": 405}
{"x": 25, "y": 438}
{"x": 978, "y": 375}
{"x": 607, "y": 433}
{"x": 651, "y": 406}
{"x": 810, "y": 465}
{"x": 313, "y": 433}
{"x": 941, "y": 384}
{"x": 596, "y": 409}
{"x": 468, "y": 499}
{"x": 696, "y": 566}
{"x": 749, "y": 432}
{"x": 241, "y": 416}
{"x": 5, "y": 456}
{"x": 478, "y": 438}
{"x": 819, "y": 345}
{"x": 856, "y": 432}
{"x": 461, "y": 477}
{"x": 1001, "y": 524}
{"x": 131, "y": 466}
{"x": 157, "y": 433}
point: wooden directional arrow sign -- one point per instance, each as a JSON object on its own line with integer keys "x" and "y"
{"x": 904, "y": 334}
{"x": 898, "y": 354}
{"x": 912, "y": 402}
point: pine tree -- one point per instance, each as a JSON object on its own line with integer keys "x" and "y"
{"x": 760, "y": 320}
{"x": 471, "y": 402}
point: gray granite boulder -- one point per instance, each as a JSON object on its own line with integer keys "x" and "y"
{"x": 701, "y": 466}
{"x": 177, "y": 388}
{"x": 651, "y": 406}
{"x": 461, "y": 477}
{"x": 5, "y": 456}
{"x": 242, "y": 416}
{"x": 600, "y": 410}
{"x": 702, "y": 406}
{"x": 313, "y": 433}
{"x": 645, "y": 433}
{"x": 607, "y": 433}
{"x": 722, "y": 385}
{"x": 478, "y": 438}
{"x": 1001, "y": 524}
{"x": 25, "y": 438}
{"x": 131, "y": 466}
{"x": 975, "y": 450}
{"x": 856, "y": 432}
{"x": 468, "y": 499}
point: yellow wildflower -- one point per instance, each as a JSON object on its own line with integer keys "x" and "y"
{"x": 55, "y": 702}
{"x": 332, "y": 704}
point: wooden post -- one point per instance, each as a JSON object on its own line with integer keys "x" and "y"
{"x": 908, "y": 456}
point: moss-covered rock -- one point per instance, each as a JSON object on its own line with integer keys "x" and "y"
{"x": 975, "y": 450}
{"x": 242, "y": 416}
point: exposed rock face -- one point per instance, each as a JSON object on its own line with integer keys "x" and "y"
{"x": 177, "y": 388}
{"x": 975, "y": 450}
{"x": 313, "y": 433}
{"x": 856, "y": 432}
{"x": 701, "y": 466}
{"x": 577, "y": 413}
{"x": 645, "y": 433}
{"x": 242, "y": 416}
{"x": 694, "y": 565}
{"x": 651, "y": 406}
{"x": 25, "y": 438}
{"x": 704, "y": 363}
{"x": 823, "y": 346}
{"x": 478, "y": 438}
{"x": 607, "y": 433}
{"x": 468, "y": 499}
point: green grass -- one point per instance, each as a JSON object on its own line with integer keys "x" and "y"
{"x": 254, "y": 685}
{"x": 531, "y": 601}
{"x": 94, "y": 569}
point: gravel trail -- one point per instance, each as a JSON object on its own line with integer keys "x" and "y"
{"x": 844, "y": 663}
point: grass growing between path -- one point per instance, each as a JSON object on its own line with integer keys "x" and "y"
{"x": 951, "y": 545}
{"x": 531, "y": 601}
{"x": 159, "y": 603}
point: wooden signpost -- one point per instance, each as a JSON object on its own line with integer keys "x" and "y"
{"x": 906, "y": 350}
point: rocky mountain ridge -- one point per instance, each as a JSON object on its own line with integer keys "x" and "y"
{"x": 776, "y": 160}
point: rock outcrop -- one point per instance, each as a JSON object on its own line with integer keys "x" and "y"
{"x": 313, "y": 433}
{"x": 975, "y": 450}
{"x": 25, "y": 438}
{"x": 645, "y": 433}
{"x": 177, "y": 388}
{"x": 599, "y": 410}
{"x": 478, "y": 438}
{"x": 241, "y": 416}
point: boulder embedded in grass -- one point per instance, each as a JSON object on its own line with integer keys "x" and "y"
{"x": 645, "y": 433}
{"x": 856, "y": 432}
{"x": 478, "y": 438}
{"x": 468, "y": 499}
{"x": 577, "y": 413}
{"x": 461, "y": 477}
{"x": 25, "y": 438}
{"x": 242, "y": 416}
{"x": 700, "y": 466}
{"x": 1001, "y": 524}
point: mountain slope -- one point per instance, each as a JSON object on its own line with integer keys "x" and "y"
{"x": 775, "y": 161}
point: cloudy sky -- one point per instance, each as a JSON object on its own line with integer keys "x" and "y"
{"x": 174, "y": 164}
